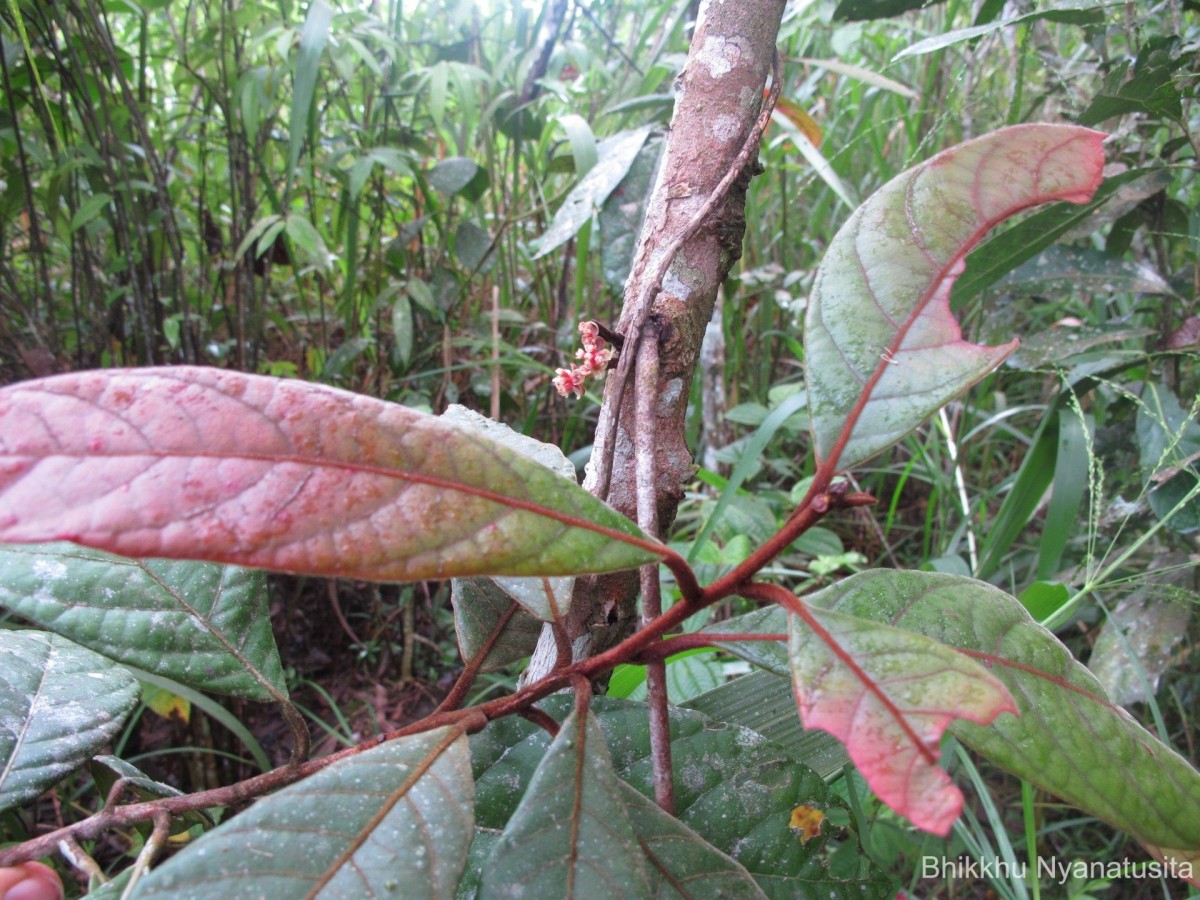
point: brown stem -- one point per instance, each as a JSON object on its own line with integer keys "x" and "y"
{"x": 647, "y": 509}
{"x": 682, "y": 642}
{"x": 541, "y": 718}
{"x": 458, "y": 693}
{"x": 817, "y": 503}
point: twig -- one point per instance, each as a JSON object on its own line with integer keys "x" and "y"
{"x": 681, "y": 642}
{"x": 646, "y": 384}
{"x": 541, "y": 718}
{"x": 820, "y": 500}
{"x": 80, "y": 859}
{"x": 154, "y": 844}
{"x": 458, "y": 693}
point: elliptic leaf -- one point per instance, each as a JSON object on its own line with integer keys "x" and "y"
{"x": 616, "y": 156}
{"x": 1137, "y": 642}
{"x": 452, "y": 175}
{"x": 313, "y": 38}
{"x": 877, "y": 9}
{"x": 1072, "y": 12}
{"x": 200, "y": 624}
{"x": 888, "y": 695}
{"x": 545, "y": 598}
{"x": 680, "y": 862}
{"x": 733, "y": 787}
{"x": 200, "y": 463}
{"x": 620, "y": 217}
{"x": 394, "y": 821}
{"x": 106, "y": 770}
{"x": 570, "y": 836}
{"x": 1069, "y": 739}
{"x": 883, "y": 350}
{"x": 481, "y": 608}
{"x": 59, "y": 704}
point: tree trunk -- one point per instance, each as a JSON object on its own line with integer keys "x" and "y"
{"x": 718, "y": 97}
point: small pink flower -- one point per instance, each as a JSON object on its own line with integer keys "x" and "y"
{"x": 594, "y": 358}
{"x": 568, "y": 382}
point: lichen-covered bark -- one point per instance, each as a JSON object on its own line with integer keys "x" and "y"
{"x": 718, "y": 97}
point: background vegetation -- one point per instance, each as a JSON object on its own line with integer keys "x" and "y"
{"x": 376, "y": 196}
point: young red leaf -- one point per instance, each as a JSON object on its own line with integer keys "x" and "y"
{"x": 882, "y": 348}
{"x": 201, "y": 463}
{"x": 888, "y": 695}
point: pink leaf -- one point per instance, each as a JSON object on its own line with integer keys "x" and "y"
{"x": 206, "y": 464}
{"x": 882, "y": 348}
{"x": 888, "y": 695}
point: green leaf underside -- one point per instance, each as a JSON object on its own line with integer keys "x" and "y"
{"x": 616, "y": 155}
{"x": 199, "y": 463}
{"x": 203, "y": 625}
{"x": 480, "y": 607}
{"x": 545, "y": 598}
{"x": 570, "y": 837}
{"x": 680, "y": 862}
{"x": 396, "y": 820}
{"x": 1068, "y": 740}
{"x": 879, "y": 325}
{"x": 106, "y": 770}
{"x": 732, "y": 787}
{"x": 59, "y": 704}
{"x": 888, "y": 695}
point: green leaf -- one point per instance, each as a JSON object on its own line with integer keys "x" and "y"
{"x": 582, "y": 140}
{"x": 882, "y": 350}
{"x": 473, "y": 246}
{"x": 394, "y": 820}
{"x": 681, "y": 863}
{"x": 1072, "y": 471}
{"x": 59, "y": 704}
{"x": 305, "y": 236}
{"x": 201, "y": 463}
{"x": 313, "y": 38}
{"x": 546, "y": 599}
{"x": 1043, "y": 599}
{"x": 452, "y": 175}
{"x": 89, "y": 209}
{"x": 1151, "y": 87}
{"x": 258, "y": 232}
{"x": 617, "y": 154}
{"x": 1072, "y": 12}
{"x": 764, "y": 703}
{"x": 620, "y": 217}
{"x": 877, "y": 9}
{"x": 688, "y": 674}
{"x": 1069, "y": 739}
{"x": 1025, "y": 240}
{"x": 1168, "y": 439}
{"x": 1064, "y": 270}
{"x": 570, "y": 836}
{"x": 1138, "y": 640}
{"x": 732, "y": 786}
{"x": 107, "y": 770}
{"x": 888, "y": 694}
{"x": 200, "y": 624}
{"x": 402, "y": 328}
{"x": 487, "y": 617}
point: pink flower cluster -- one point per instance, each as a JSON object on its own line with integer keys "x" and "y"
{"x": 594, "y": 357}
